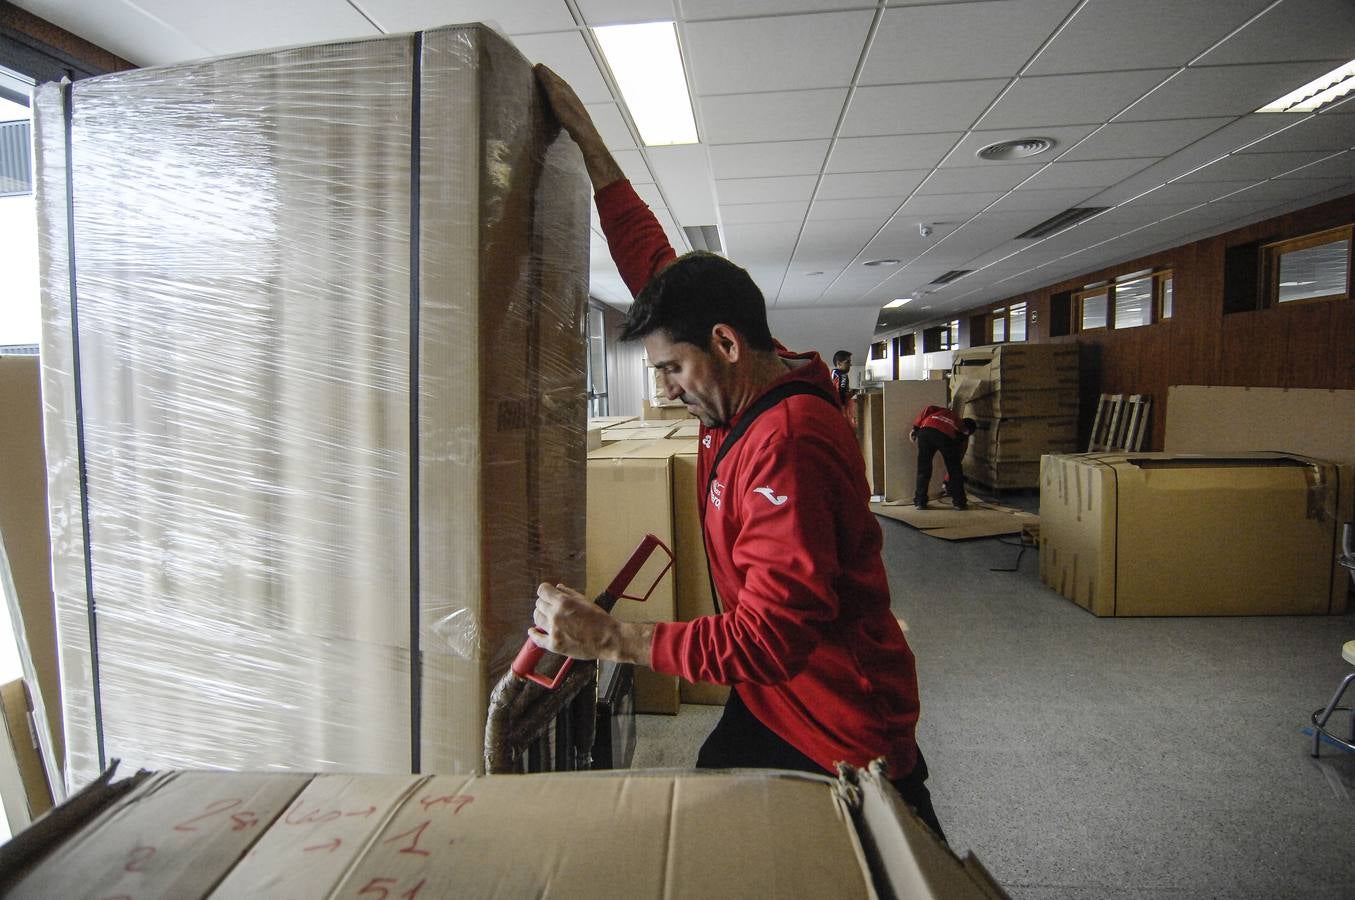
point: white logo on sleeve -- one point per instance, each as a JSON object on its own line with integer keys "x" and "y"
{"x": 771, "y": 495}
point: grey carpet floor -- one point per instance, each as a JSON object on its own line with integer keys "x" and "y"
{"x": 1117, "y": 758}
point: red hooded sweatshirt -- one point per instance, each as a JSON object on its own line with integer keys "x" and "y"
{"x": 807, "y": 637}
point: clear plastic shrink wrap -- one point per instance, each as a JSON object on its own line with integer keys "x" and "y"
{"x": 313, "y": 356}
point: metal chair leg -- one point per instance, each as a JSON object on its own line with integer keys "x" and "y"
{"x": 1321, "y": 716}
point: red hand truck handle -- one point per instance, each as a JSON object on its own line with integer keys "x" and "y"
{"x": 530, "y": 655}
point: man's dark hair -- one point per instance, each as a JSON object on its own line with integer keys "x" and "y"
{"x": 969, "y": 426}
{"x": 841, "y": 355}
{"x": 696, "y": 292}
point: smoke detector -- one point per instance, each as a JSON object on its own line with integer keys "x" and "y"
{"x": 1015, "y": 149}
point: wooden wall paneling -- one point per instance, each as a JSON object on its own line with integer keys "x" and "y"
{"x": 1155, "y": 355}
{"x": 1253, "y": 350}
{"x": 1308, "y": 349}
{"x": 1342, "y": 337}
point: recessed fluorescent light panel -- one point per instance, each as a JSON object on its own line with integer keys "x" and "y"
{"x": 895, "y": 304}
{"x": 1317, "y": 93}
{"x": 648, "y": 68}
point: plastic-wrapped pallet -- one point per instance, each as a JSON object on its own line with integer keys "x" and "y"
{"x": 313, "y": 374}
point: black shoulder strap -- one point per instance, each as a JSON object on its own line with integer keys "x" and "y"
{"x": 760, "y": 406}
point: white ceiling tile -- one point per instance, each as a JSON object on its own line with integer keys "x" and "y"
{"x": 1253, "y": 166}
{"x": 890, "y": 152}
{"x": 1163, "y": 138}
{"x": 775, "y": 54}
{"x": 869, "y": 184}
{"x": 610, "y": 124}
{"x": 918, "y": 108}
{"x": 765, "y": 190}
{"x": 228, "y": 28}
{"x": 651, "y": 195}
{"x": 972, "y": 40}
{"x": 749, "y": 243}
{"x": 125, "y": 29}
{"x": 633, "y": 166}
{"x": 857, "y": 208}
{"x": 624, "y": 12}
{"x": 684, "y": 173}
{"x": 966, "y": 153}
{"x": 1180, "y": 194}
{"x": 977, "y": 179}
{"x": 670, "y": 227}
{"x": 1112, "y": 34}
{"x": 1222, "y": 90}
{"x": 1045, "y": 202}
{"x": 1294, "y": 29}
{"x": 568, "y": 55}
{"x": 835, "y": 237}
{"x": 760, "y": 213}
{"x": 1096, "y": 174}
{"x": 781, "y": 116}
{"x": 768, "y": 159}
{"x": 414, "y": 15}
{"x": 1071, "y": 99}
{"x": 1324, "y": 132}
{"x": 1338, "y": 166}
{"x": 950, "y": 207}
{"x": 1282, "y": 189}
{"x": 694, "y": 10}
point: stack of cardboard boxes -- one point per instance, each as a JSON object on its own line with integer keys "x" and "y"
{"x": 1024, "y": 398}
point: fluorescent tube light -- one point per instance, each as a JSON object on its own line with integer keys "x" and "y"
{"x": 1316, "y": 93}
{"x": 647, "y": 65}
{"x": 894, "y": 304}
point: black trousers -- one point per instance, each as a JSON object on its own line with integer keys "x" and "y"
{"x": 929, "y": 443}
{"x": 739, "y": 740}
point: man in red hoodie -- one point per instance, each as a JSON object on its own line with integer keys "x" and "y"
{"x": 939, "y": 429}
{"x": 820, "y": 669}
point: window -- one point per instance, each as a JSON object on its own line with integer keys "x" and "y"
{"x": 905, "y": 344}
{"x": 1128, "y": 301}
{"x": 1314, "y": 267}
{"x": 20, "y": 309}
{"x": 1016, "y": 322}
{"x": 954, "y": 335}
{"x": 999, "y": 325}
{"x": 879, "y": 350}
{"x": 597, "y": 362}
{"x": 935, "y": 339}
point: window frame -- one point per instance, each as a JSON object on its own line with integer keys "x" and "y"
{"x": 1272, "y": 251}
{"x": 1160, "y": 277}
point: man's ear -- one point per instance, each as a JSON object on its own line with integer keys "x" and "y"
{"x": 727, "y": 343}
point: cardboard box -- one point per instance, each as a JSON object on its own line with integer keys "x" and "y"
{"x": 1002, "y": 474}
{"x": 692, "y": 571}
{"x": 903, "y": 400}
{"x": 692, "y": 431}
{"x": 1017, "y": 366}
{"x": 647, "y": 432}
{"x": 677, "y": 835}
{"x": 594, "y": 438}
{"x": 871, "y": 433}
{"x": 608, "y": 421}
{"x": 1009, "y": 440}
{"x": 1160, "y": 534}
{"x": 665, "y": 413}
{"x": 23, "y": 528}
{"x": 315, "y": 531}
{"x": 975, "y": 402}
{"x": 630, "y": 494}
{"x": 17, "y": 709}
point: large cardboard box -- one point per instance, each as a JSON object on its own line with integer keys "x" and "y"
{"x": 27, "y": 547}
{"x": 754, "y": 833}
{"x": 694, "y": 592}
{"x": 903, "y": 400}
{"x": 1017, "y": 366}
{"x": 870, "y": 430}
{"x": 665, "y": 413}
{"x": 1009, "y": 440}
{"x": 630, "y": 494}
{"x": 1003, "y": 474}
{"x": 649, "y": 431}
{"x": 330, "y": 361}
{"x": 1158, "y": 534}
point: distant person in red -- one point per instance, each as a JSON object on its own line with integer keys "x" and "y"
{"x": 939, "y": 429}
{"x": 842, "y": 369}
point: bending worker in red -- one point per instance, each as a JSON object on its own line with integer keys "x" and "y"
{"x": 820, "y": 669}
{"x": 938, "y": 428}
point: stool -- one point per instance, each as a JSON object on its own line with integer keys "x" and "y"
{"x": 1321, "y": 716}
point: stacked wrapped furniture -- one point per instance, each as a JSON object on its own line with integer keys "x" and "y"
{"x": 1024, "y": 398}
{"x": 313, "y": 374}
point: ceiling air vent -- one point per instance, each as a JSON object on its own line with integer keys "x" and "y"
{"x": 950, "y": 276}
{"x": 1017, "y": 149}
{"x": 1066, "y": 219}
{"x": 703, "y": 237}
